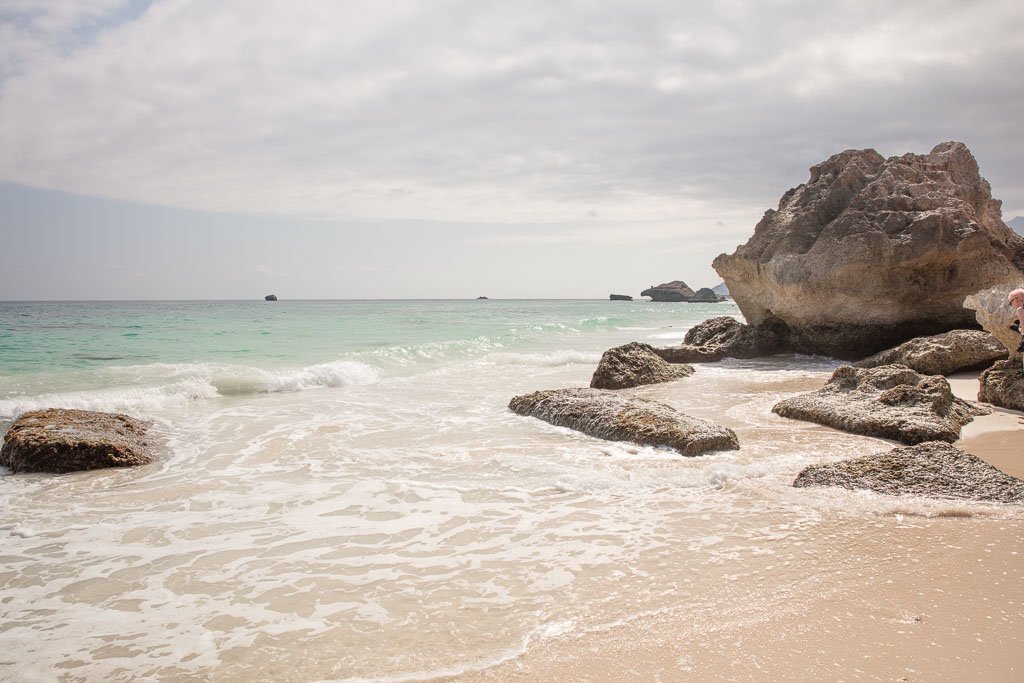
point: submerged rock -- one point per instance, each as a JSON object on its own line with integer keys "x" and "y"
{"x": 634, "y": 364}
{"x": 942, "y": 354}
{"x": 933, "y": 468}
{"x": 609, "y": 415}
{"x": 1003, "y": 385}
{"x": 677, "y": 290}
{"x": 871, "y": 252}
{"x": 891, "y": 401}
{"x": 723, "y": 337}
{"x": 59, "y": 440}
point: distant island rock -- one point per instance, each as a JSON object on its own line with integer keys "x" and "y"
{"x": 59, "y": 440}
{"x": 270, "y": 297}
{"x": 620, "y": 297}
{"x": 479, "y": 298}
{"x": 872, "y": 252}
{"x": 705, "y": 295}
{"x": 677, "y": 290}
{"x": 720, "y": 290}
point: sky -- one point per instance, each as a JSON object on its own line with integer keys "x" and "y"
{"x": 179, "y": 149}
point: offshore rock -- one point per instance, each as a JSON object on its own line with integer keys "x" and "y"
{"x": 871, "y": 252}
{"x": 59, "y": 440}
{"x": 723, "y": 337}
{"x": 635, "y": 364}
{"x": 934, "y": 469}
{"x": 620, "y": 297}
{"x": 1003, "y": 385}
{"x": 705, "y": 295}
{"x": 609, "y": 415}
{"x": 942, "y": 354}
{"x": 669, "y": 291}
{"x": 891, "y": 402}
{"x": 270, "y": 297}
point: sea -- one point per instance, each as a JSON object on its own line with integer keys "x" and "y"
{"x": 342, "y": 494}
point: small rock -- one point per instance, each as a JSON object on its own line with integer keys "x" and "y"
{"x": 933, "y": 468}
{"x": 891, "y": 402}
{"x": 59, "y": 440}
{"x": 635, "y": 364}
{"x": 610, "y": 415}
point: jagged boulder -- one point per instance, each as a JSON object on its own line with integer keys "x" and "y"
{"x": 610, "y": 415}
{"x": 993, "y": 313}
{"x": 891, "y": 401}
{"x": 634, "y": 364}
{"x": 59, "y": 440}
{"x": 723, "y": 337}
{"x": 1003, "y": 385}
{"x": 935, "y": 469}
{"x": 942, "y": 354}
{"x": 669, "y": 291}
{"x": 871, "y": 252}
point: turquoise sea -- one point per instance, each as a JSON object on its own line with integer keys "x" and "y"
{"x": 342, "y": 493}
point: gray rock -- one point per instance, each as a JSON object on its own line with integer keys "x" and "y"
{"x": 723, "y": 337}
{"x": 677, "y": 290}
{"x": 872, "y": 252}
{"x": 934, "y": 468}
{"x": 59, "y": 440}
{"x": 891, "y": 401}
{"x": 610, "y": 415}
{"x": 705, "y": 295}
{"x": 620, "y": 297}
{"x": 942, "y": 354}
{"x": 634, "y": 364}
{"x": 1003, "y": 385}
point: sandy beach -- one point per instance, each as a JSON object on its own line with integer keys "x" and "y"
{"x": 909, "y": 597}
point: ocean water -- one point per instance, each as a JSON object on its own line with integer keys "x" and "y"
{"x": 342, "y": 493}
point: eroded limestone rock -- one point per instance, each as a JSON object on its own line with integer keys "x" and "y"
{"x": 635, "y": 364}
{"x": 613, "y": 416}
{"x": 1003, "y": 385}
{"x": 942, "y": 354}
{"x": 677, "y": 290}
{"x": 871, "y": 252}
{"x": 59, "y": 440}
{"x": 723, "y": 337}
{"x": 891, "y": 401}
{"x": 933, "y": 468}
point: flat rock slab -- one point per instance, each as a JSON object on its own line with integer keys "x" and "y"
{"x": 635, "y": 364}
{"x": 609, "y": 415}
{"x": 59, "y": 440}
{"x": 891, "y": 402}
{"x": 934, "y": 469}
{"x": 942, "y": 354}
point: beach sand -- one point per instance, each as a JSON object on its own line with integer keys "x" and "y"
{"x": 907, "y": 598}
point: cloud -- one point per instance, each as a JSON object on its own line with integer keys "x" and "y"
{"x": 489, "y": 111}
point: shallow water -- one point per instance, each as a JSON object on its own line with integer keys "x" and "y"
{"x": 343, "y": 495}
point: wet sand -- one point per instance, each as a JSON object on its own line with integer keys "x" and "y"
{"x": 911, "y": 598}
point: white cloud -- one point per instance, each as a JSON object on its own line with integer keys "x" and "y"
{"x": 490, "y": 111}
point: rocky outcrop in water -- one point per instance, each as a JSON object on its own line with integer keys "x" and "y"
{"x": 635, "y": 364}
{"x": 59, "y": 440}
{"x": 669, "y": 291}
{"x": 934, "y": 469}
{"x": 891, "y": 402}
{"x": 1003, "y": 385}
{"x": 723, "y": 337}
{"x": 270, "y": 297}
{"x": 871, "y": 252}
{"x": 620, "y": 297}
{"x": 610, "y": 415}
{"x": 705, "y": 295}
{"x": 942, "y": 354}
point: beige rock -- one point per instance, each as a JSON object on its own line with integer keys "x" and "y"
{"x": 871, "y": 252}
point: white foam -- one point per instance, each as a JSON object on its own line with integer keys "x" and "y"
{"x": 115, "y": 399}
{"x": 549, "y": 359}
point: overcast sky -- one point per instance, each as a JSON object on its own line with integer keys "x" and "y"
{"x": 448, "y": 148}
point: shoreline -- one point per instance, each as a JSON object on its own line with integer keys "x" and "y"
{"x": 914, "y": 598}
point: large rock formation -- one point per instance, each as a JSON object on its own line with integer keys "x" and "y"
{"x": 705, "y": 295}
{"x": 634, "y": 364}
{"x": 892, "y": 402}
{"x": 933, "y": 469}
{"x": 942, "y": 354}
{"x": 871, "y": 252}
{"x": 723, "y": 337}
{"x": 59, "y": 440}
{"x": 612, "y": 416}
{"x": 669, "y": 291}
